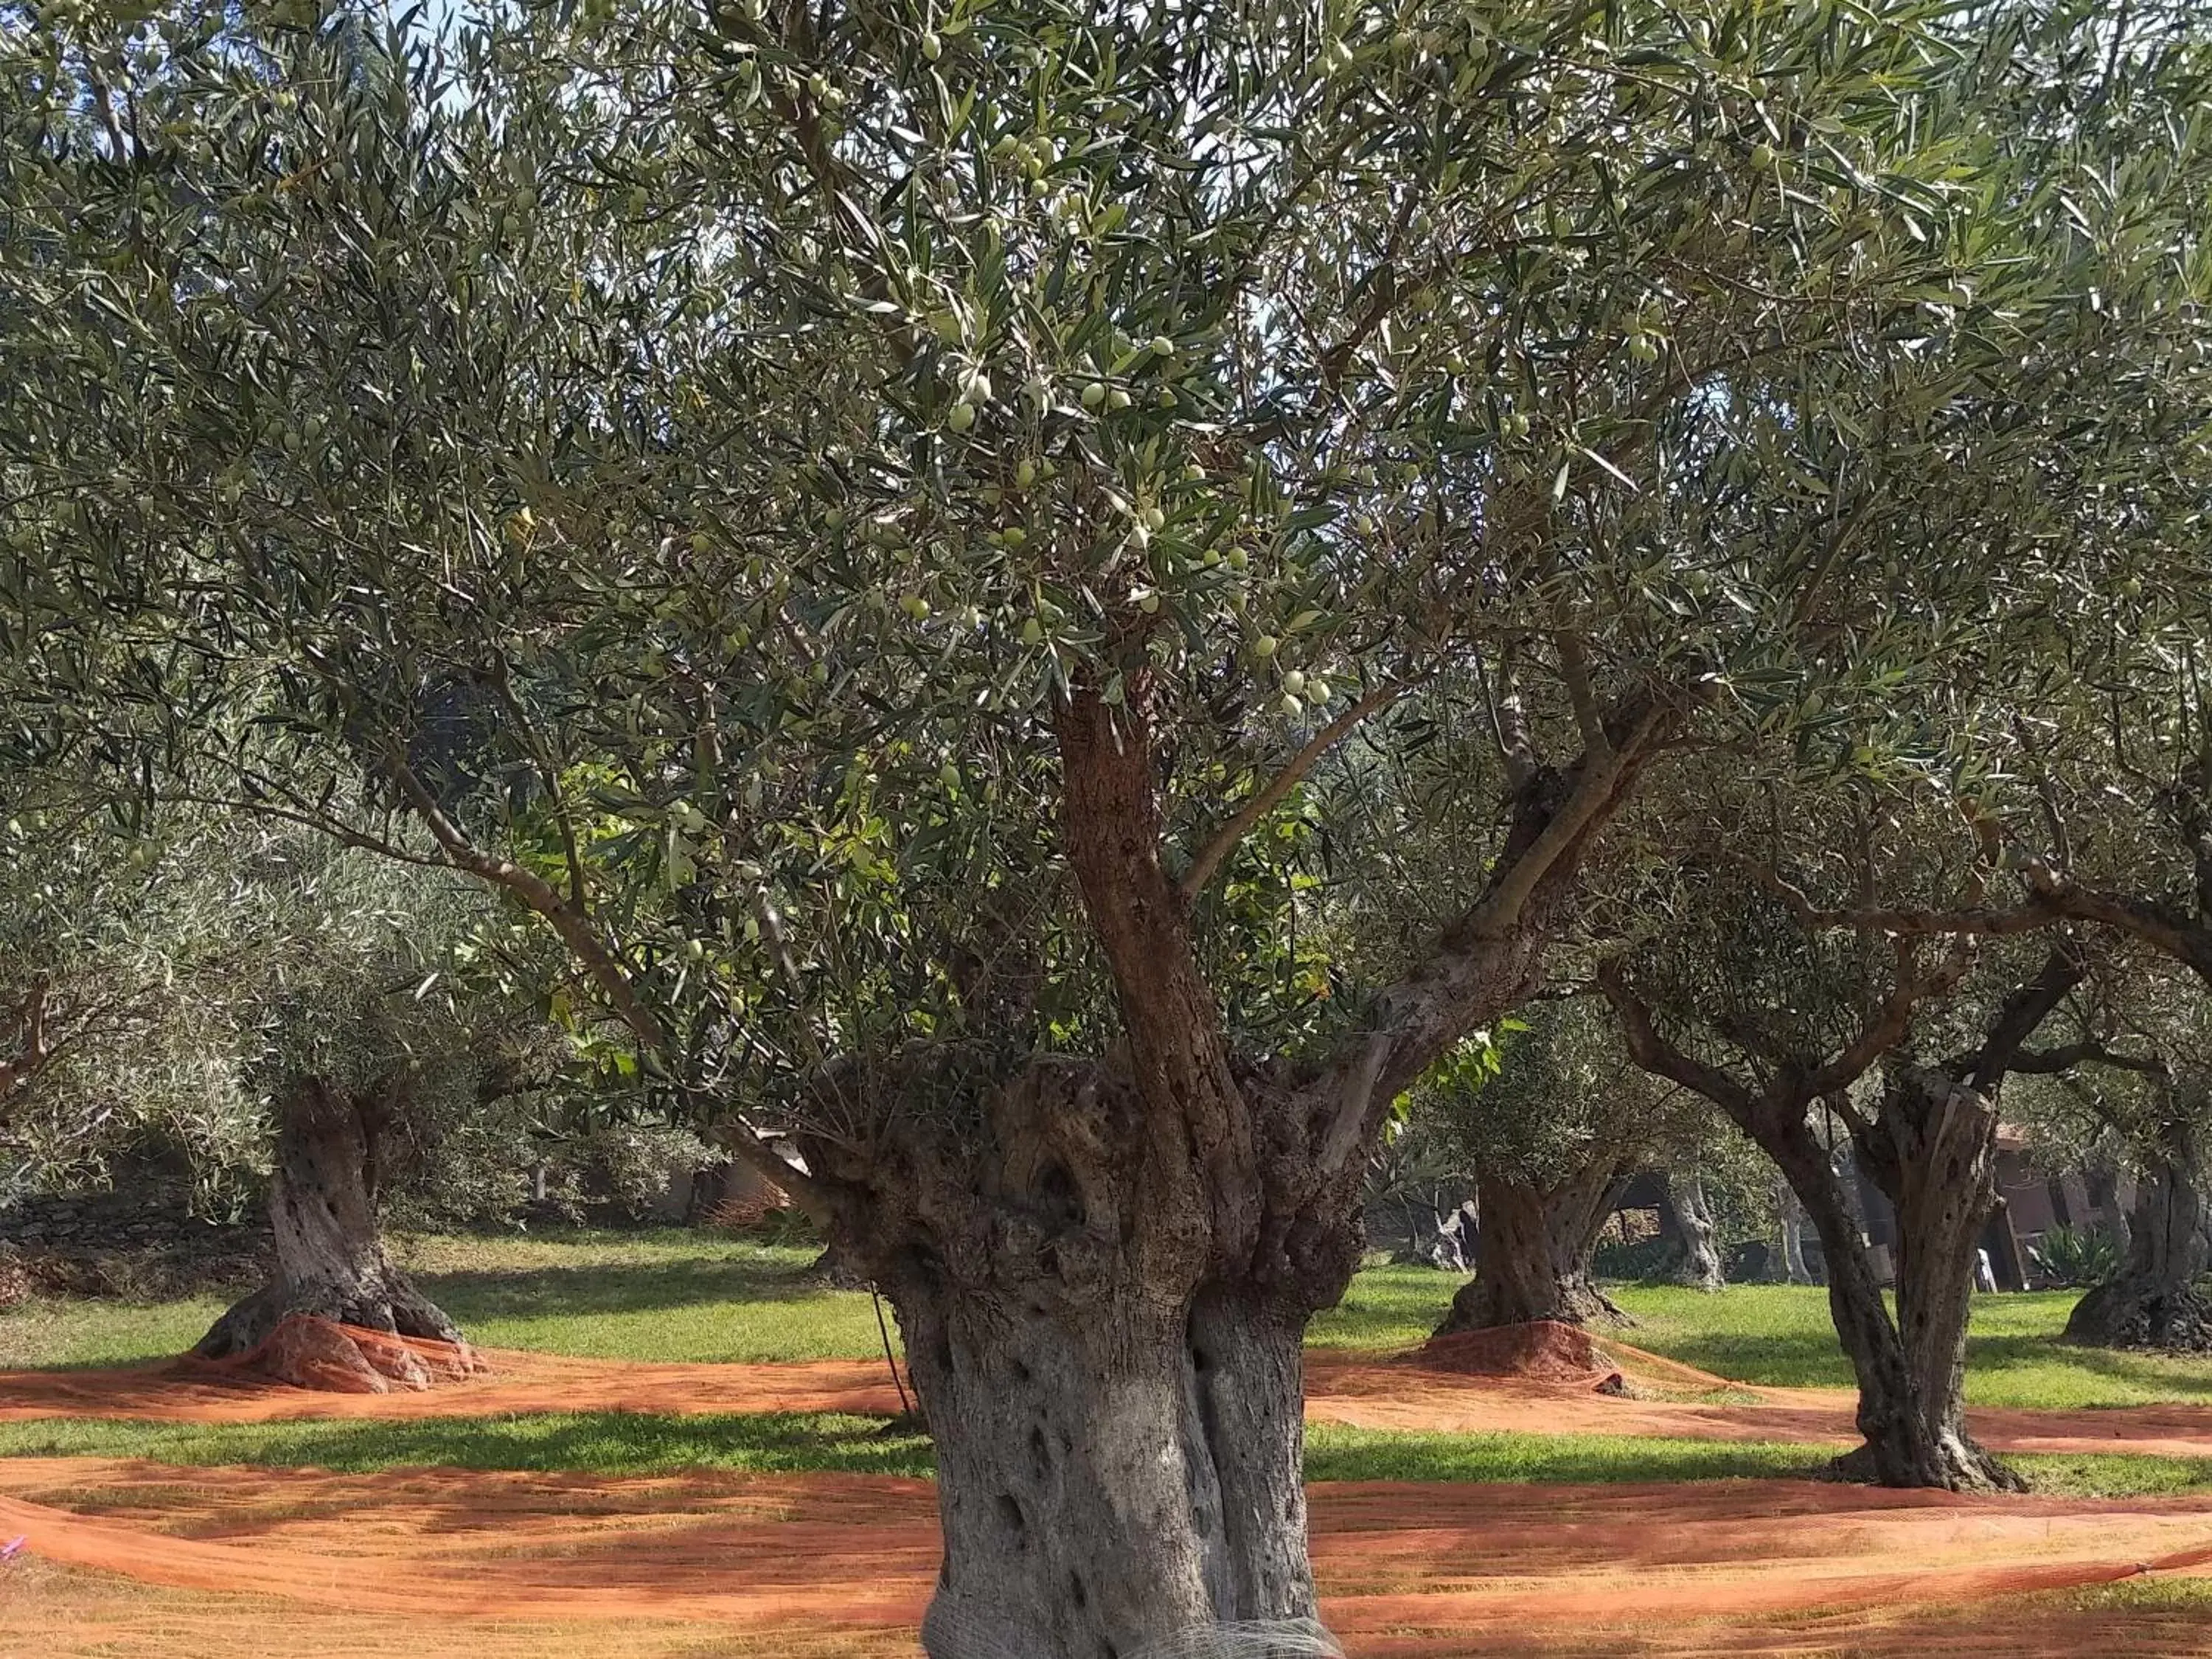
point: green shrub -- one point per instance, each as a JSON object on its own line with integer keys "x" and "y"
{"x": 2076, "y": 1257}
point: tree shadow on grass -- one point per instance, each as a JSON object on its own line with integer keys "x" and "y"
{"x": 588, "y": 1442}
{"x": 472, "y": 1294}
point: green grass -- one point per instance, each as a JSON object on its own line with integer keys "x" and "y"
{"x": 674, "y": 1296}
{"x": 595, "y": 1442}
{"x": 1781, "y": 1336}
{"x": 623, "y": 1442}
{"x": 682, "y": 1295}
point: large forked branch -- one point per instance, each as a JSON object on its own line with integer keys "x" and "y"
{"x": 598, "y": 958}
{"x": 1489, "y": 959}
{"x": 1640, "y": 1033}
{"x": 1178, "y": 1041}
{"x": 1892, "y": 1019}
{"x": 2049, "y": 902}
{"x": 1225, "y": 839}
{"x": 2022, "y": 1015}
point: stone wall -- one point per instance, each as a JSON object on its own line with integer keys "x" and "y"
{"x": 141, "y": 1242}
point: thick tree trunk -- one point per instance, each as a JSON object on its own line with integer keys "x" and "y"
{"x": 1698, "y": 1264}
{"x": 2154, "y": 1302}
{"x": 1532, "y": 1253}
{"x": 1118, "y": 1419}
{"x": 1110, "y": 1486}
{"x": 1898, "y": 1451}
{"x": 331, "y": 1259}
{"x": 1933, "y": 1152}
{"x": 1910, "y": 1441}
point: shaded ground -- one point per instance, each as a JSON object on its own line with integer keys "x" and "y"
{"x": 1356, "y": 1390}
{"x": 700, "y": 1564}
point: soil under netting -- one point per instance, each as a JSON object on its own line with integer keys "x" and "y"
{"x": 1409, "y": 1392}
{"x": 816, "y": 1566}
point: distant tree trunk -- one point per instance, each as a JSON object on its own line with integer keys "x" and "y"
{"x": 2120, "y": 1184}
{"x": 2154, "y": 1302}
{"x": 1699, "y": 1264}
{"x": 331, "y": 1259}
{"x": 1790, "y": 1217}
{"x": 1532, "y": 1252}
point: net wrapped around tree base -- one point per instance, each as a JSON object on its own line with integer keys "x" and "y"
{"x": 328, "y": 1357}
{"x": 1542, "y": 1350}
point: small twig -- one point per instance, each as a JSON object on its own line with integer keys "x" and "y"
{"x": 1223, "y": 840}
{"x": 884, "y": 1330}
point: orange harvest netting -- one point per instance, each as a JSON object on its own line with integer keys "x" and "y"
{"x": 1407, "y": 1391}
{"x": 325, "y": 1357}
{"x": 700, "y": 1564}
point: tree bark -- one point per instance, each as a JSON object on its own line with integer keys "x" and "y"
{"x": 331, "y": 1259}
{"x": 1103, "y": 1267}
{"x": 1789, "y": 1216}
{"x": 2154, "y": 1302}
{"x": 1532, "y": 1252}
{"x": 1118, "y": 1420}
{"x": 1699, "y": 1264}
{"x": 1933, "y": 1152}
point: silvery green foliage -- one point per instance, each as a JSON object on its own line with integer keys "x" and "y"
{"x": 750, "y": 421}
{"x": 192, "y": 965}
{"x": 1557, "y": 1088}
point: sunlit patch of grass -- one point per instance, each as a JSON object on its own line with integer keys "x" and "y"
{"x": 1782, "y": 1336}
{"x": 673, "y": 1295}
{"x": 632, "y": 1443}
{"x": 676, "y": 1295}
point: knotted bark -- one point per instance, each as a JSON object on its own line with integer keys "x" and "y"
{"x": 1698, "y": 1260}
{"x": 1532, "y": 1248}
{"x": 331, "y": 1259}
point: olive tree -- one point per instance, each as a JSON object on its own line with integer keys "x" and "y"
{"x": 2132, "y": 1073}
{"x": 1553, "y": 1138}
{"x": 868, "y": 523}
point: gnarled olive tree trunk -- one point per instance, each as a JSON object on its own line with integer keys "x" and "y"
{"x": 331, "y": 1259}
{"x": 1103, "y": 1268}
{"x": 1118, "y": 1412}
{"x": 1698, "y": 1265}
{"x": 1900, "y": 1449}
{"x": 1533, "y": 1248}
{"x": 2153, "y": 1302}
{"x": 1933, "y": 1152}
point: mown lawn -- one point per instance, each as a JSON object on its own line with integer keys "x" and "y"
{"x": 624, "y": 1443}
{"x": 1781, "y": 1336}
{"x": 682, "y": 1295}
{"x": 673, "y": 1295}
